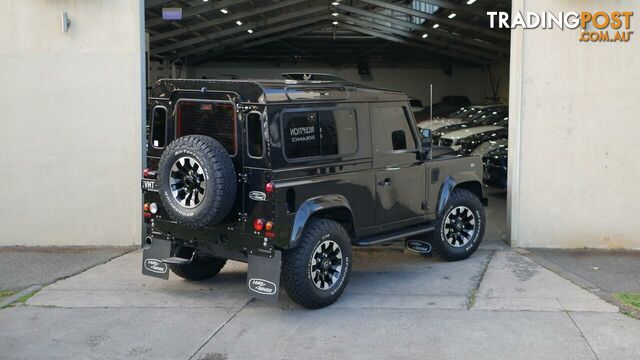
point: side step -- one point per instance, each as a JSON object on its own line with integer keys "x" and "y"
{"x": 394, "y": 235}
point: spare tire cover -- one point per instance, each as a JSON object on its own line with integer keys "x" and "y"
{"x": 196, "y": 181}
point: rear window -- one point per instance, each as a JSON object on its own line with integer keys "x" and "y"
{"x": 159, "y": 127}
{"x": 213, "y": 119}
{"x": 254, "y": 135}
{"x": 319, "y": 133}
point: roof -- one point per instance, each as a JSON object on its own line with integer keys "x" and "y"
{"x": 280, "y": 91}
{"x": 327, "y": 31}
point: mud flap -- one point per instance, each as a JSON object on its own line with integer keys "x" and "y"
{"x": 263, "y": 277}
{"x": 152, "y": 256}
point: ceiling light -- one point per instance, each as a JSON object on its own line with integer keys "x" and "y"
{"x": 335, "y": 23}
{"x": 452, "y": 15}
{"x": 205, "y": 0}
{"x": 239, "y": 22}
{"x": 470, "y": 2}
{"x": 335, "y": 3}
{"x": 250, "y": 31}
{"x": 424, "y": 36}
{"x": 224, "y": 11}
{"x": 435, "y": 26}
{"x": 335, "y": 14}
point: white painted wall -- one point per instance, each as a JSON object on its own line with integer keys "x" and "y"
{"x": 70, "y": 122}
{"x": 413, "y": 81}
{"x": 575, "y": 180}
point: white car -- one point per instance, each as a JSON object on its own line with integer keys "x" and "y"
{"x": 461, "y": 116}
{"x": 452, "y": 139}
{"x": 490, "y": 145}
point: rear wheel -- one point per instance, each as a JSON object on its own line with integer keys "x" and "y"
{"x": 316, "y": 272}
{"x": 200, "y": 268}
{"x": 460, "y": 229}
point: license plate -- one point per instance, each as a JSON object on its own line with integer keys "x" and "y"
{"x": 149, "y": 185}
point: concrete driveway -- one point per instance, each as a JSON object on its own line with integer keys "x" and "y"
{"x": 497, "y": 304}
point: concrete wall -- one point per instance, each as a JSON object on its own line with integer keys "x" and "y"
{"x": 574, "y": 179}
{"x": 414, "y": 81}
{"x": 70, "y": 122}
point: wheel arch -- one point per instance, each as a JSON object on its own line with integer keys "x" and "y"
{"x": 474, "y": 186}
{"x": 334, "y": 207}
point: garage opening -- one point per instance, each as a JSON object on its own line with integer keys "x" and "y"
{"x": 441, "y": 53}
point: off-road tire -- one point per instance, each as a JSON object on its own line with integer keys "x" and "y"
{"x": 297, "y": 274}
{"x": 219, "y": 178}
{"x": 201, "y": 268}
{"x": 460, "y": 199}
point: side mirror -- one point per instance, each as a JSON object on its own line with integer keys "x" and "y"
{"x": 426, "y": 143}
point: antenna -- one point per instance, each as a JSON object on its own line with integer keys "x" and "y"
{"x": 430, "y": 101}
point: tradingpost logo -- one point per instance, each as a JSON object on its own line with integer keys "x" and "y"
{"x": 599, "y": 26}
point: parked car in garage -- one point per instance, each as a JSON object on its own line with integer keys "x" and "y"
{"x": 485, "y": 117}
{"x": 462, "y": 115}
{"x": 489, "y": 124}
{"x": 490, "y": 145}
{"x": 288, "y": 175}
{"x": 469, "y": 144}
{"x": 495, "y": 167}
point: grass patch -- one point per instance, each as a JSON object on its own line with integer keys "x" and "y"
{"x": 4, "y": 294}
{"x": 631, "y": 299}
{"x": 473, "y": 298}
{"x": 26, "y": 297}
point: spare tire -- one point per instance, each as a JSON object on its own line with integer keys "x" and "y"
{"x": 196, "y": 181}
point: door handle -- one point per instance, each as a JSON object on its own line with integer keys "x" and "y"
{"x": 385, "y": 182}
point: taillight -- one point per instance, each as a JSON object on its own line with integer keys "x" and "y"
{"x": 146, "y": 207}
{"x": 146, "y": 172}
{"x": 258, "y": 224}
{"x": 268, "y": 188}
{"x": 268, "y": 226}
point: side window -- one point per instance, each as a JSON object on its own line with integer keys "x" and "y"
{"x": 393, "y": 132}
{"x": 301, "y": 134}
{"x": 159, "y": 127}
{"x": 338, "y": 132}
{"x": 254, "y": 135}
{"x": 320, "y": 133}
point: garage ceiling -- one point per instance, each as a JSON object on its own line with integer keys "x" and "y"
{"x": 335, "y": 32}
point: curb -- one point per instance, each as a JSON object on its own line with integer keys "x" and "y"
{"x": 15, "y": 297}
{"x": 580, "y": 281}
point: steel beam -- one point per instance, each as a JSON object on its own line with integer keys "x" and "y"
{"x": 225, "y": 19}
{"x": 404, "y": 41}
{"x": 197, "y": 10}
{"x": 438, "y": 43}
{"x": 262, "y": 32}
{"x": 266, "y": 40}
{"x": 463, "y": 8}
{"x": 426, "y": 29}
{"x": 441, "y": 20}
{"x": 255, "y": 26}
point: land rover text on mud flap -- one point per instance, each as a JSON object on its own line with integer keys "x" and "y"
{"x": 288, "y": 175}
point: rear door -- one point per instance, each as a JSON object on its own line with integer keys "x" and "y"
{"x": 215, "y": 116}
{"x": 400, "y": 175}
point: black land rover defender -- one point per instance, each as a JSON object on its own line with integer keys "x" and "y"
{"x": 288, "y": 175}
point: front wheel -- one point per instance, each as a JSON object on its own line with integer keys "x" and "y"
{"x": 315, "y": 272}
{"x": 461, "y": 227}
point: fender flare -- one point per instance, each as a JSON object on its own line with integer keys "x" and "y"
{"x": 312, "y": 206}
{"x": 445, "y": 193}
